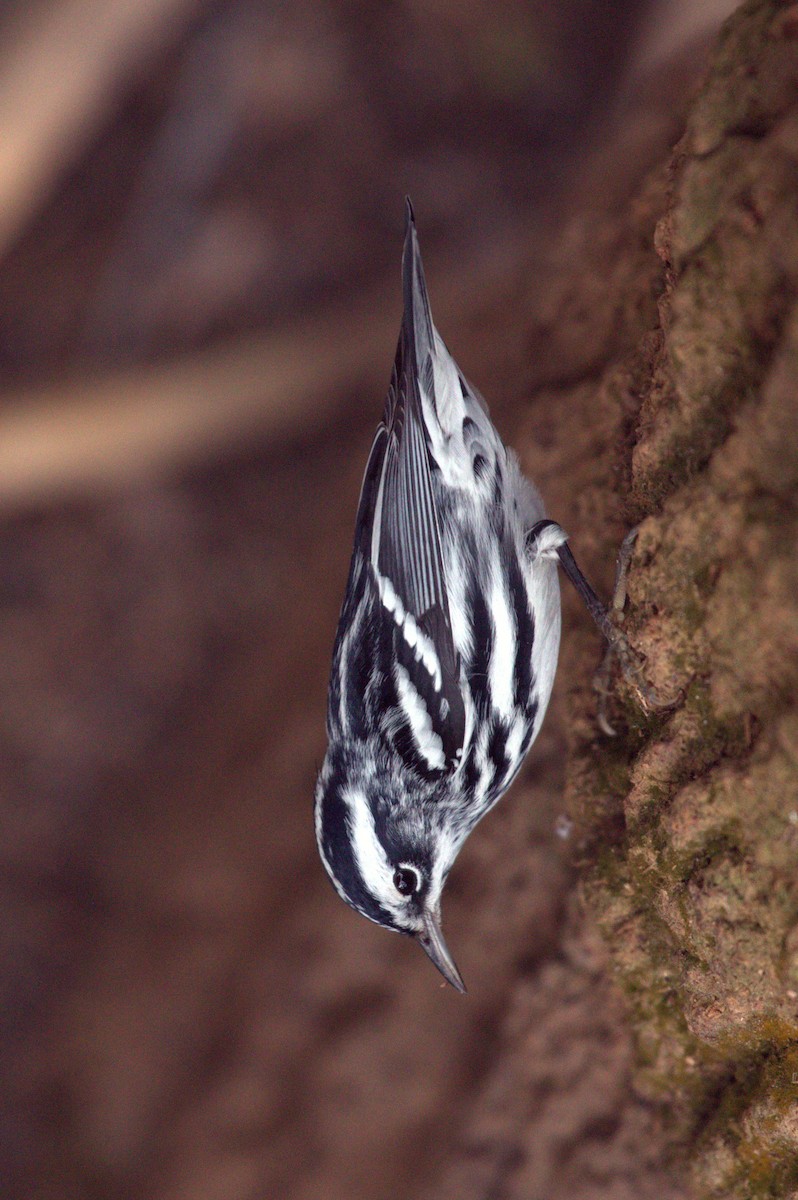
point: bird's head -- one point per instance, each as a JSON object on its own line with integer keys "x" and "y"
{"x": 386, "y": 855}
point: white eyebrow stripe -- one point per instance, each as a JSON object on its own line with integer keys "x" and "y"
{"x": 373, "y": 864}
{"x": 369, "y": 853}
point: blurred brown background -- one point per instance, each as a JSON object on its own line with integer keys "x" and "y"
{"x": 200, "y": 231}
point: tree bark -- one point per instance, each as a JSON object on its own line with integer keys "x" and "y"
{"x": 688, "y": 820}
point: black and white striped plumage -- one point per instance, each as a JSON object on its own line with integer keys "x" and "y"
{"x": 447, "y": 642}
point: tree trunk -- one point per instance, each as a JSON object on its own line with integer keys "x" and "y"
{"x": 688, "y": 820}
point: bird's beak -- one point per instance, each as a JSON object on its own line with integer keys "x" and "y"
{"x": 431, "y": 940}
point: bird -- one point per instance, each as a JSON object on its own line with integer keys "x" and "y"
{"x": 447, "y": 643}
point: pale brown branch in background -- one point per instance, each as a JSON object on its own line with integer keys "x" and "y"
{"x": 90, "y": 435}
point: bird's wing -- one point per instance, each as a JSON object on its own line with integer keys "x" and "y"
{"x": 398, "y": 532}
{"x": 399, "y": 535}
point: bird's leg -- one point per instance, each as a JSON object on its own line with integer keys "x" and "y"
{"x": 548, "y": 538}
{"x": 620, "y": 648}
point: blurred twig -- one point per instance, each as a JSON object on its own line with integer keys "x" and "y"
{"x": 89, "y": 435}
{"x": 61, "y": 68}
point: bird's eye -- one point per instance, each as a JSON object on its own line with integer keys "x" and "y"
{"x": 405, "y": 880}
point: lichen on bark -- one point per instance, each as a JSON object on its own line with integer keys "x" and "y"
{"x": 689, "y": 818}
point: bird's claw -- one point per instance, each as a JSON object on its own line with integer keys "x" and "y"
{"x": 618, "y": 647}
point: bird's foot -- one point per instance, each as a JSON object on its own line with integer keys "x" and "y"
{"x": 618, "y": 648}
{"x": 547, "y": 538}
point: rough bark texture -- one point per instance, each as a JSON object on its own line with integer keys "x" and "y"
{"x": 687, "y": 822}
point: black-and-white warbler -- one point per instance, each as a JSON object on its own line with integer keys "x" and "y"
{"x": 447, "y": 643}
